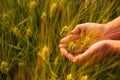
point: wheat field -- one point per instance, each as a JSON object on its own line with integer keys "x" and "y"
{"x": 30, "y": 32}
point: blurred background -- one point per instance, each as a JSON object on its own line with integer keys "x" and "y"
{"x": 30, "y": 35}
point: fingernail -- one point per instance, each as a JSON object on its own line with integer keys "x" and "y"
{"x": 59, "y": 46}
{"x": 72, "y": 32}
{"x": 74, "y": 60}
{"x": 60, "y": 40}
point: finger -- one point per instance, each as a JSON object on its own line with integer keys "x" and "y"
{"x": 70, "y": 38}
{"x": 79, "y": 58}
{"x": 65, "y": 39}
{"x": 80, "y": 50}
{"x": 83, "y": 56}
{"x": 78, "y": 29}
{"x": 75, "y": 36}
{"x": 62, "y": 46}
{"x": 66, "y": 54}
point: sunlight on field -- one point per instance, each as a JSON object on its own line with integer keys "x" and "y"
{"x": 30, "y": 32}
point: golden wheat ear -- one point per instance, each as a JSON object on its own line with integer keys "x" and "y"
{"x": 64, "y": 31}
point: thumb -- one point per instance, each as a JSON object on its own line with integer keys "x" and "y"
{"x": 78, "y": 29}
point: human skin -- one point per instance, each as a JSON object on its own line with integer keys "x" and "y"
{"x": 108, "y": 43}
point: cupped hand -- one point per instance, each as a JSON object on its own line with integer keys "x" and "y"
{"x": 97, "y": 52}
{"x": 99, "y": 49}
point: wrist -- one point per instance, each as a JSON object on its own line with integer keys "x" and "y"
{"x": 113, "y": 26}
{"x": 112, "y": 31}
{"x": 114, "y": 46}
{"x": 106, "y": 30}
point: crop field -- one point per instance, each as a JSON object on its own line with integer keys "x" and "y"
{"x": 30, "y": 33}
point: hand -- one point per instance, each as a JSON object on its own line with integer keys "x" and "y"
{"x": 82, "y": 29}
{"x": 94, "y": 53}
{"x": 80, "y": 32}
{"x": 98, "y": 30}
